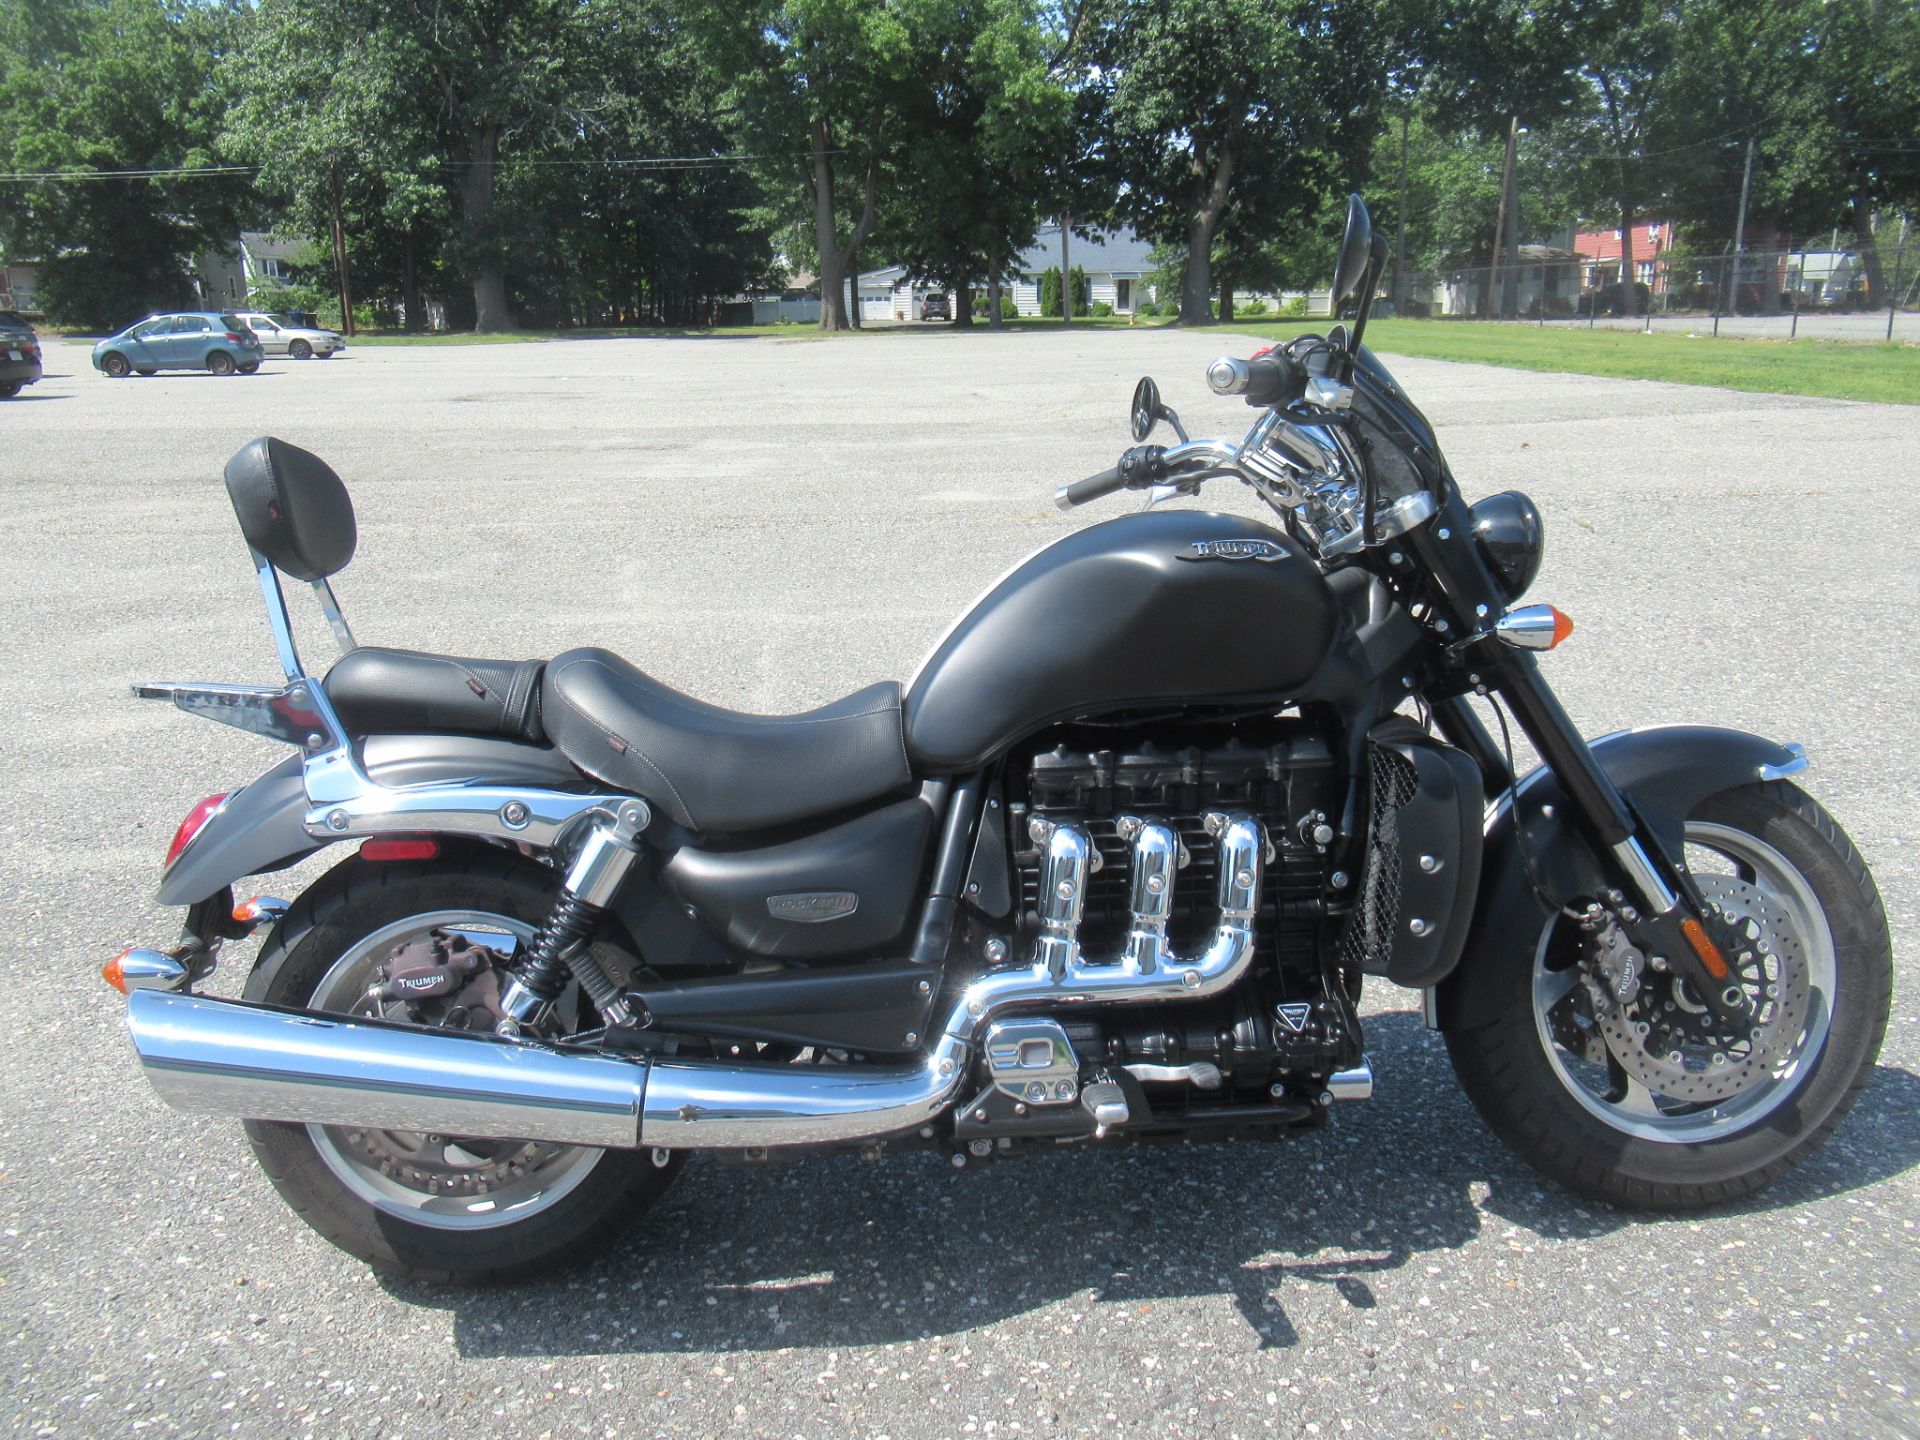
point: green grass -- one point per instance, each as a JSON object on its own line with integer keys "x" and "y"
{"x": 1836, "y": 368}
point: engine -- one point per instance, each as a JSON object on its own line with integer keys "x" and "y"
{"x": 1283, "y": 1021}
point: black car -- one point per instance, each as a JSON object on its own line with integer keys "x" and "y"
{"x": 19, "y": 354}
{"x": 935, "y": 307}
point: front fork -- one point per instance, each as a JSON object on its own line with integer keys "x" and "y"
{"x": 1664, "y": 908}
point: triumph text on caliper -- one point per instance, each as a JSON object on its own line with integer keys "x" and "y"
{"x": 1111, "y": 867}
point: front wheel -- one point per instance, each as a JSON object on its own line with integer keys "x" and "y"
{"x": 441, "y": 1207}
{"x": 115, "y": 365}
{"x": 299, "y": 350}
{"x": 1634, "y": 1103}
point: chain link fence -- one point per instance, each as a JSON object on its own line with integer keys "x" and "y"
{"x": 1815, "y": 293}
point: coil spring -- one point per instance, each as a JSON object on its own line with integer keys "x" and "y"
{"x": 561, "y": 949}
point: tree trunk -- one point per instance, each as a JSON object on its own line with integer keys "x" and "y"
{"x": 1066, "y": 273}
{"x": 1226, "y": 300}
{"x": 853, "y": 288}
{"x": 1863, "y": 242}
{"x": 834, "y": 256}
{"x": 410, "y": 289}
{"x": 1196, "y": 296}
{"x": 963, "y": 305}
{"x": 489, "y": 278}
{"x": 995, "y": 320}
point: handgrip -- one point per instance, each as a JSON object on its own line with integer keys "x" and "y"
{"x": 1266, "y": 379}
{"x": 1091, "y": 488}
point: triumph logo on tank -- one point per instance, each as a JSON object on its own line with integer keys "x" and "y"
{"x": 1236, "y": 550}
{"x": 810, "y": 907}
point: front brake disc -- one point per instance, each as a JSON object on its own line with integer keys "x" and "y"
{"x": 1662, "y": 1039}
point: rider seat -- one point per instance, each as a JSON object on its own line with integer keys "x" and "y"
{"x": 712, "y": 769}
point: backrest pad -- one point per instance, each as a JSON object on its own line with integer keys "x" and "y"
{"x": 292, "y": 508}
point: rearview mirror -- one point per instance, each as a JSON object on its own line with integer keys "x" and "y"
{"x": 1356, "y": 250}
{"x": 1146, "y": 408}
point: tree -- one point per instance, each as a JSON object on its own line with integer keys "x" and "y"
{"x": 114, "y": 85}
{"x": 977, "y": 136}
{"x": 1209, "y": 101}
{"x": 817, "y": 92}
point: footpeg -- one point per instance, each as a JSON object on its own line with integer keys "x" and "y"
{"x": 1107, "y": 1103}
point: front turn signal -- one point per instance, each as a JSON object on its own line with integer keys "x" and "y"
{"x": 1533, "y": 627}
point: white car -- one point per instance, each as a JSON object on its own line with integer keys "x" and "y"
{"x": 280, "y": 336}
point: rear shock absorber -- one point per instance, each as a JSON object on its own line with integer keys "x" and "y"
{"x": 564, "y": 944}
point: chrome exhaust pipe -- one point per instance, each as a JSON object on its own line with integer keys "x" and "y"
{"x": 256, "y": 1062}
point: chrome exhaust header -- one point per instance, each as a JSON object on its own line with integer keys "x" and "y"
{"x": 227, "y": 1057}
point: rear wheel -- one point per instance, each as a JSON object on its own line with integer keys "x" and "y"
{"x": 115, "y": 365}
{"x": 1636, "y": 1104}
{"x": 299, "y": 350}
{"x": 436, "y": 1206}
{"x": 220, "y": 363}
{"x": 9, "y": 389}
{"x": 146, "y": 370}
{"x": 252, "y": 367}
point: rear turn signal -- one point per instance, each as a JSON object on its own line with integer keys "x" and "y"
{"x": 135, "y": 968}
{"x": 412, "y": 849}
{"x": 195, "y": 822}
{"x": 1533, "y": 627}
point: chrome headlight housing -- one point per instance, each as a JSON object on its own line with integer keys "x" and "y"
{"x": 1512, "y": 539}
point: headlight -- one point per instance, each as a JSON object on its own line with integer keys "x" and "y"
{"x": 1512, "y": 539}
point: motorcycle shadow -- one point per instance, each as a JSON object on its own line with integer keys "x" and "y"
{"x": 837, "y": 1251}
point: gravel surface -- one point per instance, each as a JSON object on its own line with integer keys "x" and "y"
{"x": 771, "y": 523}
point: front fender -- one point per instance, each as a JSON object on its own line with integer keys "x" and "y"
{"x": 261, "y": 828}
{"x": 1665, "y": 772}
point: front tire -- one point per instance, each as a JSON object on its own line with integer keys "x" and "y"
{"x": 115, "y": 365}
{"x": 1586, "y": 1123}
{"x": 408, "y": 1203}
{"x": 299, "y": 350}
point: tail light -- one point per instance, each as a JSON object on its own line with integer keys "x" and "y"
{"x": 195, "y": 822}
{"x": 239, "y": 339}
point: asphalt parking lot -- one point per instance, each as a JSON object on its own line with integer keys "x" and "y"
{"x": 770, "y": 523}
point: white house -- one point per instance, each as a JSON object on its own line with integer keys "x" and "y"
{"x": 1118, "y": 266}
{"x": 17, "y": 279}
{"x": 258, "y": 259}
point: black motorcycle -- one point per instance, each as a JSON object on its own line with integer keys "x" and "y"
{"x": 1112, "y": 866}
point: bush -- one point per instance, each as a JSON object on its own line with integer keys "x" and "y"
{"x": 1008, "y": 310}
{"x": 1101, "y": 309}
{"x": 1050, "y": 292}
{"x": 1252, "y": 308}
{"x": 1294, "y": 309}
{"x": 1146, "y": 310}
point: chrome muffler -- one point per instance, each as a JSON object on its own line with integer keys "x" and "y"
{"x": 256, "y": 1062}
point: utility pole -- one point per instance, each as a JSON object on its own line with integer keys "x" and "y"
{"x": 1400, "y": 223}
{"x": 1740, "y": 225}
{"x": 1066, "y": 273}
{"x": 1501, "y": 223}
{"x": 340, "y": 258}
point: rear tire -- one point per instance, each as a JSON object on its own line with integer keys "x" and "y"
{"x": 146, "y": 372}
{"x": 9, "y": 389}
{"x": 1668, "y": 1155}
{"x": 320, "y": 1171}
{"x": 114, "y": 365}
{"x": 252, "y": 367}
{"x": 220, "y": 363}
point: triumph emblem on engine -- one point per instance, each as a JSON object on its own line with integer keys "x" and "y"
{"x": 1236, "y": 550}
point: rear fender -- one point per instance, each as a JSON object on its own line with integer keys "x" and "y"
{"x": 261, "y": 828}
{"x": 1665, "y": 772}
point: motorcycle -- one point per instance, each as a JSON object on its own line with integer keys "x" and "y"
{"x": 1111, "y": 867}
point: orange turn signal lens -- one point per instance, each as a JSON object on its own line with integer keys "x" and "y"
{"x": 1704, "y": 947}
{"x": 1562, "y": 625}
{"x": 114, "y": 972}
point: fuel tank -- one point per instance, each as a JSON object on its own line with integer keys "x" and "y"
{"x": 1157, "y": 608}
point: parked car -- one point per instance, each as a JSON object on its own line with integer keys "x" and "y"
{"x": 216, "y": 341}
{"x": 935, "y": 307}
{"x": 283, "y": 334}
{"x": 19, "y": 354}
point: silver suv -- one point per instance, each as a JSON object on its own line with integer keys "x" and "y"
{"x": 280, "y": 335}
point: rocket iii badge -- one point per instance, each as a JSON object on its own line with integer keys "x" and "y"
{"x": 1248, "y": 549}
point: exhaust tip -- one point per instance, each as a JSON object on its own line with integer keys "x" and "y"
{"x": 1354, "y": 1084}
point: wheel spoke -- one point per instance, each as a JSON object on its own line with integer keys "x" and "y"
{"x": 1638, "y": 1100}
{"x": 1554, "y": 986}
